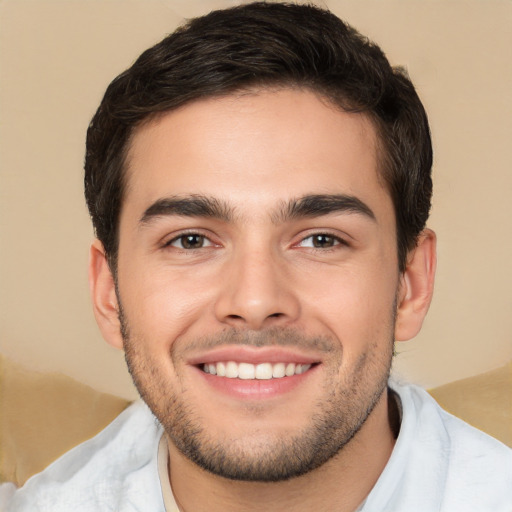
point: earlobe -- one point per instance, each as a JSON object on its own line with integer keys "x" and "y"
{"x": 416, "y": 287}
{"x": 103, "y": 294}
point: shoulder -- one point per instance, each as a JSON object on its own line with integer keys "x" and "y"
{"x": 102, "y": 472}
{"x": 426, "y": 415}
{"x": 465, "y": 466}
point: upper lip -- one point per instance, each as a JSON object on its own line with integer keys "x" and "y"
{"x": 253, "y": 355}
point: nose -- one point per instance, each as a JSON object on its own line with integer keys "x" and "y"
{"x": 256, "y": 292}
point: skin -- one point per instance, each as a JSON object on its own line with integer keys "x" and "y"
{"x": 321, "y": 287}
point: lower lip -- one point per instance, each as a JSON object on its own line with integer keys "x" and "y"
{"x": 256, "y": 389}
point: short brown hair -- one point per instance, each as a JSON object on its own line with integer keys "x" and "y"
{"x": 257, "y": 45}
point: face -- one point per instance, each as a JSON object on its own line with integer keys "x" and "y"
{"x": 257, "y": 279}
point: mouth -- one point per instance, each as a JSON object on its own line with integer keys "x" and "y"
{"x": 244, "y": 372}
{"x": 260, "y": 371}
{"x": 255, "y": 381}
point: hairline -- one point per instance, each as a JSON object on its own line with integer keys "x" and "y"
{"x": 382, "y": 154}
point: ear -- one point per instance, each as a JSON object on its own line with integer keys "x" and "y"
{"x": 416, "y": 287}
{"x": 103, "y": 294}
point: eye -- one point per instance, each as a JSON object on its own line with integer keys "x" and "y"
{"x": 321, "y": 241}
{"x": 189, "y": 241}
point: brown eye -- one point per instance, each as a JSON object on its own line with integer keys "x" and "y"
{"x": 190, "y": 241}
{"x": 323, "y": 241}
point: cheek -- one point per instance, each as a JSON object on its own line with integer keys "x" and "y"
{"x": 356, "y": 304}
{"x": 161, "y": 304}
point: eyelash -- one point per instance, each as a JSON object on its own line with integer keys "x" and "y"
{"x": 336, "y": 241}
{"x": 190, "y": 234}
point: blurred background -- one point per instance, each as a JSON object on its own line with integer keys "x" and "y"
{"x": 58, "y": 56}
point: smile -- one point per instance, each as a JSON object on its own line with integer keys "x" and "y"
{"x": 248, "y": 371}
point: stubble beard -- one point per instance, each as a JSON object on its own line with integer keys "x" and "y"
{"x": 339, "y": 414}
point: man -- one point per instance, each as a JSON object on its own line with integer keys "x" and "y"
{"x": 259, "y": 183}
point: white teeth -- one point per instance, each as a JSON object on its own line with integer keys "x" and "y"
{"x": 301, "y": 368}
{"x": 290, "y": 370}
{"x": 263, "y": 371}
{"x": 248, "y": 371}
{"x": 278, "y": 370}
{"x": 231, "y": 370}
{"x": 221, "y": 369}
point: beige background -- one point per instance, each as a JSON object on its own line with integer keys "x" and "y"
{"x": 56, "y": 59}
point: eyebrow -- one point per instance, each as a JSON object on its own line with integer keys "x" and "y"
{"x": 308, "y": 206}
{"x": 188, "y": 206}
{"x": 322, "y": 204}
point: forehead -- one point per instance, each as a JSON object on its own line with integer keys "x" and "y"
{"x": 253, "y": 149}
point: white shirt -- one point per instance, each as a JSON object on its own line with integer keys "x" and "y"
{"x": 439, "y": 463}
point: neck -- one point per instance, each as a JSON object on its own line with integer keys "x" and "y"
{"x": 340, "y": 484}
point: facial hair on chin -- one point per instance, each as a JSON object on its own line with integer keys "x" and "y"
{"x": 340, "y": 412}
